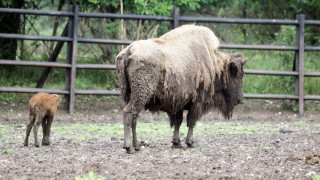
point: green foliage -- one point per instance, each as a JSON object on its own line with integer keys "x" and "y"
{"x": 90, "y": 176}
{"x": 316, "y": 177}
{"x": 7, "y": 151}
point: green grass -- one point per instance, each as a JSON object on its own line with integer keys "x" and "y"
{"x": 90, "y": 176}
{"x": 7, "y": 151}
{"x": 316, "y": 177}
{"x": 153, "y": 130}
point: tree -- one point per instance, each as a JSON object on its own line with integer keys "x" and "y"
{"x": 10, "y": 23}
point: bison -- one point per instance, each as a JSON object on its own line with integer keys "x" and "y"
{"x": 43, "y": 107}
{"x": 181, "y": 70}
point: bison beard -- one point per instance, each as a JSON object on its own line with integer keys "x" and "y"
{"x": 181, "y": 70}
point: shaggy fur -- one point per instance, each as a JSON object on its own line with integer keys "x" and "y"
{"x": 43, "y": 107}
{"x": 181, "y": 70}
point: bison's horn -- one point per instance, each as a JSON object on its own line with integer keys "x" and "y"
{"x": 237, "y": 54}
{"x": 243, "y": 61}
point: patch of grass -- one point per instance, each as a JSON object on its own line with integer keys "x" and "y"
{"x": 7, "y": 151}
{"x": 90, "y": 176}
{"x": 235, "y": 128}
{"x": 85, "y": 137}
{"x": 316, "y": 177}
{"x": 301, "y": 123}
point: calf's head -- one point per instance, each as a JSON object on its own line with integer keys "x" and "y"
{"x": 57, "y": 98}
{"x": 228, "y": 87}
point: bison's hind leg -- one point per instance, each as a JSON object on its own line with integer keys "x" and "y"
{"x": 46, "y": 127}
{"x": 29, "y": 127}
{"x": 143, "y": 85}
{"x": 38, "y": 119}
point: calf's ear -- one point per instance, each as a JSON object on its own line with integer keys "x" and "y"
{"x": 233, "y": 68}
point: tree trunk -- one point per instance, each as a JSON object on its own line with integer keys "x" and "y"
{"x": 10, "y": 23}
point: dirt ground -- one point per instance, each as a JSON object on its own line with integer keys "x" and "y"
{"x": 286, "y": 148}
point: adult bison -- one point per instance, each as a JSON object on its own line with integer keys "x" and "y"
{"x": 181, "y": 70}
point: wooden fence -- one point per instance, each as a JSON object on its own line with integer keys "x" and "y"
{"x": 70, "y": 35}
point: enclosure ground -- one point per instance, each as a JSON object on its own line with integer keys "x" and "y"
{"x": 263, "y": 140}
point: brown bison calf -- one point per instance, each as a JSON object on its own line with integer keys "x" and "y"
{"x": 43, "y": 107}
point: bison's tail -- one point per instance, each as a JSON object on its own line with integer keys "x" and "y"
{"x": 122, "y": 62}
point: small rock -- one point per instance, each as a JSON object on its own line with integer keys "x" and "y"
{"x": 313, "y": 158}
{"x": 285, "y": 130}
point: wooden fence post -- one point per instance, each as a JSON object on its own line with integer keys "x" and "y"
{"x": 300, "y": 56}
{"x": 69, "y": 60}
{"x": 175, "y": 14}
{"x": 72, "y": 57}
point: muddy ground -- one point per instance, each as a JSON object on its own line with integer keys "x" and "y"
{"x": 263, "y": 140}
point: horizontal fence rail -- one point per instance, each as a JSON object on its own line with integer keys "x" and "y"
{"x": 72, "y": 39}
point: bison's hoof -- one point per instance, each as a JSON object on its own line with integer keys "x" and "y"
{"x": 176, "y": 145}
{"x": 138, "y": 148}
{"x": 46, "y": 143}
{"x": 36, "y": 145}
{"x": 25, "y": 144}
{"x": 129, "y": 150}
{"x": 191, "y": 144}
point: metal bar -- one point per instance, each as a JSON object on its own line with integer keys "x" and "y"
{"x": 32, "y": 90}
{"x": 312, "y": 97}
{"x": 74, "y": 58}
{"x": 33, "y": 37}
{"x": 312, "y": 48}
{"x": 97, "y": 92}
{"x": 35, "y": 12}
{"x": 258, "y": 47}
{"x": 104, "y": 41}
{"x": 301, "y": 18}
{"x": 311, "y": 74}
{"x": 96, "y": 66}
{"x": 270, "y": 96}
{"x": 124, "y": 16}
{"x": 312, "y": 22}
{"x": 35, "y": 63}
{"x": 239, "y": 20}
{"x": 52, "y": 58}
{"x": 268, "y": 72}
{"x": 126, "y": 42}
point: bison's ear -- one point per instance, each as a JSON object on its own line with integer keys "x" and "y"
{"x": 233, "y": 68}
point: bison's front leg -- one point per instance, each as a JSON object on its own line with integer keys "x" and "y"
{"x": 189, "y": 140}
{"x": 192, "y": 117}
{"x": 176, "y": 120}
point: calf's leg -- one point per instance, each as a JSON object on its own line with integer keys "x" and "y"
{"x": 46, "y": 132}
{"x": 29, "y": 127}
{"x": 35, "y": 132}
{"x": 38, "y": 120}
